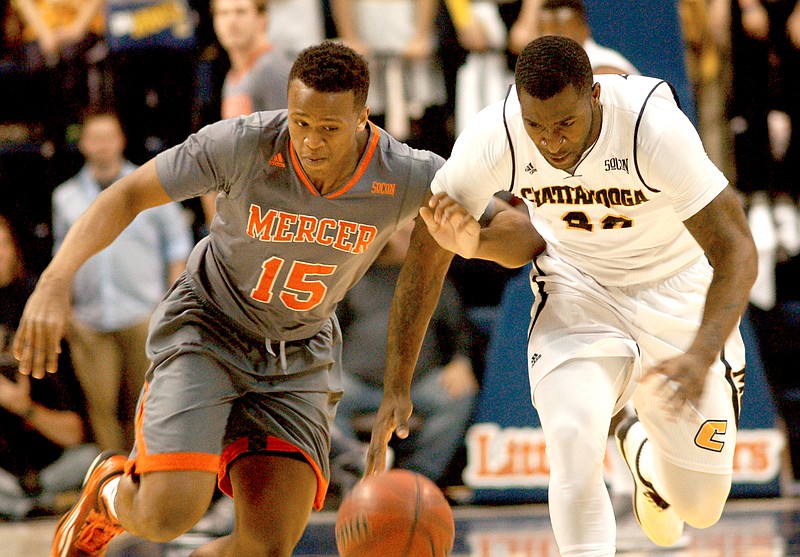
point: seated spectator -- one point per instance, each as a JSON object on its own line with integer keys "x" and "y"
{"x": 43, "y": 430}
{"x": 444, "y": 386}
{"x": 115, "y": 293}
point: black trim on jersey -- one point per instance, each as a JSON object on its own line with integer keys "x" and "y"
{"x": 729, "y": 377}
{"x": 542, "y": 297}
{"x": 636, "y": 130}
{"x": 510, "y": 144}
{"x": 675, "y": 95}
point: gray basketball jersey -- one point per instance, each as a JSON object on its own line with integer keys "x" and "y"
{"x": 280, "y": 256}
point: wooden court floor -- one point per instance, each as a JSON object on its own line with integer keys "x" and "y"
{"x": 749, "y": 528}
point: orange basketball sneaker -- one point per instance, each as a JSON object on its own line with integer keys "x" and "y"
{"x": 87, "y": 528}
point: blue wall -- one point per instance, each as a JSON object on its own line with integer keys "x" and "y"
{"x": 648, "y": 33}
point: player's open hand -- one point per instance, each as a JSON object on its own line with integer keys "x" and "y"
{"x": 681, "y": 380}
{"x": 37, "y": 343}
{"x": 392, "y": 417}
{"x": 451, "y": 225}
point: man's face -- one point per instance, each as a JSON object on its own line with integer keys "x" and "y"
{"x": 102, "y": 141}
{"x": 563, "y": 126}
{"x": 323, "y": 128}
{"x": 238, "y": 24}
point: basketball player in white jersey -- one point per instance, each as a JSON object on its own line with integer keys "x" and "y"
{"x": 641, "y": 272}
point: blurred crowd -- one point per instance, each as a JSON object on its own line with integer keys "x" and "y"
{"x": 91, "y": 88}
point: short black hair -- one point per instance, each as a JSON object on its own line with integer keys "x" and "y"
{"x": 576, "y": 6}
{"x": 331, "y": 67}
{"x": 549, "y": 64}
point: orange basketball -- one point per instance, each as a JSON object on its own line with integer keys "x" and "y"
{"x": 396, "y": 514}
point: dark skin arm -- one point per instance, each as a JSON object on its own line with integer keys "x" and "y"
{"x": 415, "y": 297}
{"x": 722, "y": 231}
{"x": 509, "y": 239}
{"x": 38, "y": 339}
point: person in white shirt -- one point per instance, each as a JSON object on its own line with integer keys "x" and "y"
{"x": 568, "y": 19}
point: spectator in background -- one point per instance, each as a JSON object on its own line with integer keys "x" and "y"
{"x": 115, "y": 293}
{"x": 567, "y": 18}
{"x": 484, "y": 77}
{"x": 59, "y": 37}
{"x": 296, "y": 24}
{"x": 444, "y": 386}
{"x": 259, "y": 75}
{"x": 407, "y": 87}
{"x": 765, "y": 124}
{"x": 43, "y": 452}
{"x": 764, "y": 117}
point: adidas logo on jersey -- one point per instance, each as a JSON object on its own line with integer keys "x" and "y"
{"x": 277, "y": 160}
{"x": 529, "y": 168}
{"x": 535, "y": 358}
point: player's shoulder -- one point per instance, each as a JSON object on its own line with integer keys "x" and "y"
{"x": 489, "y": 131}
{"x": 250, "y": 129}
{"x": 634, "y": 92}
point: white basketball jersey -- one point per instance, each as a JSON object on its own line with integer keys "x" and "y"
{"x": 619, "y": 216}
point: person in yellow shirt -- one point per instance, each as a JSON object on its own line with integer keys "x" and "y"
{"x": 57, "y": 26}
{"x": 59, "y": 36}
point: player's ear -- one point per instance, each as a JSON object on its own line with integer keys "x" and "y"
{"x": 362, "y": 118}
{"x": 595, "y": 94}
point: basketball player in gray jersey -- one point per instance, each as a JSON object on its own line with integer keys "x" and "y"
{"x": 245, "y": 375}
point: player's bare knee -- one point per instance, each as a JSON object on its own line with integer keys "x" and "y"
{"x": 165, "y": 522}
{"x": 167, "y": 504}
{"x": 263, "y": 541}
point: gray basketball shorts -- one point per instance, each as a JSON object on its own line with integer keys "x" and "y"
{"x": 214, "y": 393}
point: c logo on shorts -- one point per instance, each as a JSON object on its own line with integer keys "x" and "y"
{"x": 706, "y": 435}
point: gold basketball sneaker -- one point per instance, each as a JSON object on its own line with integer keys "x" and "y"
{"x": 656, "y": 517}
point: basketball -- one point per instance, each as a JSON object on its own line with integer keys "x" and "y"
{"x": 396, "y": 514}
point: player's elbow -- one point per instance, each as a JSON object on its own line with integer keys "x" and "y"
{"x": 748, "y": 262}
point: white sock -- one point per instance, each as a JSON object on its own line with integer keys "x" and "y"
{"x": 109, "y": 495}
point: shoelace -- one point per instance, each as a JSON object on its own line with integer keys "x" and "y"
{"x": 96, "y": 532}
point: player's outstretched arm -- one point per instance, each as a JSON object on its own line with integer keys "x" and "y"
{"x": 509, "y": 240}
{"x": 415, "y": 297}
{"x": 38, "y": 338}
